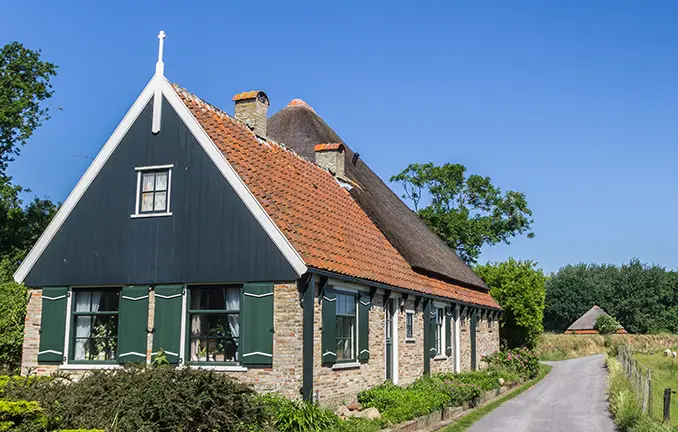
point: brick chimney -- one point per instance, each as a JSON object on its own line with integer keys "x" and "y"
{"x": 331, "y": 157}
{"x": 251, "y": 108}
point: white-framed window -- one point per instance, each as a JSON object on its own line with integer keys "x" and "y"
{"x": 154, "y": 187}
{"x": 440, "y": 332}
{"x": 346, "y": 333}
{"x": 409, "y": 325}
{"x": 94, "y": 334}
{"x": 214, "y": 324}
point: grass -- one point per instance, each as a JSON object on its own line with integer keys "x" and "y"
{"x": 553, "y": 346}
{"x": 664, "y": 375}
{"x": 625, "y": 404}
{"x": 468, "y": 420}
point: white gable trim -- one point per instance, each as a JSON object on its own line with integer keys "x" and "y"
{"x": 159, "y": 85}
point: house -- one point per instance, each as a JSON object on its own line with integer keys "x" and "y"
{"x": 267, "y": 251}
{"x": 586, "y": 324}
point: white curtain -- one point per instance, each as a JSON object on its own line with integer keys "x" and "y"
{"x": 85, "y": 301}
{"x": 233, "y": 304}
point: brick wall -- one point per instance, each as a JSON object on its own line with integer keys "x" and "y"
{"x": 332, "y": 385}
{"x": 465, "y": 342}
{"x": 411, "y": 353}
{"x": 487, "y": 340}
{"x": 335, "y": 386}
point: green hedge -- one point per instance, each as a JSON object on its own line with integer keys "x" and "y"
{"x": 21, "y": 416}
{"x": 144, "y": 399}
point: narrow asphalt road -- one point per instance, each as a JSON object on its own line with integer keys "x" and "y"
{"x": 570, "y": 398}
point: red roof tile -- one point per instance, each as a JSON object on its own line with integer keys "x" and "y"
{"x": 320, "y": 218}
{"x": 246, "y": 95}
{"x": 326, "y": 147}
{"x": 299, "y": 102}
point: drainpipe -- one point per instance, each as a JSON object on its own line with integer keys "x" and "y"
{"x": 307, "y": 304}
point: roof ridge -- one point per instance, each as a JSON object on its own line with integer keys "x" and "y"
{"x": 197, "y": 99}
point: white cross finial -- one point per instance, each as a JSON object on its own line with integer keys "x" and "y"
{"x": 160, "y": 66}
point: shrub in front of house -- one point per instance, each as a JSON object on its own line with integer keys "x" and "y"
{"x": 21, "y": 416}
{"x": 521, "y": 360}
{"x": 144, "y": 399}
{"x": 431, "y": 393}
{"x": 291, "y": 416}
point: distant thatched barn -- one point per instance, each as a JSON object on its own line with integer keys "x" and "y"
{"x": 586, "y": 324}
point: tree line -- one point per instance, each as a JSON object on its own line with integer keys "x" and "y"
{"x": 642, "y": 297}
{"x": 25, "y": 86}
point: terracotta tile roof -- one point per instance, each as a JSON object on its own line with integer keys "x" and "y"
{"x": 320, "y": 218}
{"x": 299, "y": 102}
{"x": 326, "y": 147}
{"x": 246, "y": 95}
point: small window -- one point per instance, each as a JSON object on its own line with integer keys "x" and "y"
{"x": 95, "y": 325}
{"x": 489, "y": 322}
{"x": 409, "y": 325}
{"x": 346, "y": 327}
{"x": 440, "y": 342}
{"x": 214, "y": 324}
{"x": 153, "y": 194}
{"x": 463, "y": 320}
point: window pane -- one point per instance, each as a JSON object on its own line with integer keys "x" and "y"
{"x": 215, "y": 298}
{"x": 345, "y": 338}
{"x": 160, "y": 201}
{"x": 96, "y": 301}
{"x": 148, "y": 182}
{"x": 96, "y": 337}
{"x": 147, "y": 202}
{"x": 345, "y": 304}
{"x": 408, "y": 321}
{"x": 214, "y": 337}
{"x": 161, "y": 181}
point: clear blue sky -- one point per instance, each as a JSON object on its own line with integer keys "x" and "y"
{"x": 574, "y": 103}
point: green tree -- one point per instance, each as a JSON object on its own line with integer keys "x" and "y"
{"x": 467, "y": 212}
{"x": 518, "y": 287}
{"x": 12, "y": 313}
{"x": 605, "y": 324}
{"x": 24, "y": 87}
{"x": 643, "y": 298}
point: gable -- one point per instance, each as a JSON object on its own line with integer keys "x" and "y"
{"x": 212, "y": 236}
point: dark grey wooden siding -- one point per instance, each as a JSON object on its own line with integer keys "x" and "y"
{"x": 211, "y": 236}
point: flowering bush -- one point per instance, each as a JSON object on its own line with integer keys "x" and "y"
{"x": 522, "y": 360}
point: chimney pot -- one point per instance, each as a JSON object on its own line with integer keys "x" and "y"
{"x": 251, "y": 108}
{"x": 331, "y": 157}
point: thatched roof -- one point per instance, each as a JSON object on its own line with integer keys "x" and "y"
{"x": 588, "y": 320}
{"x": 300, "y": 128}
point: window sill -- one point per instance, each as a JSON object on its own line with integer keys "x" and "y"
{"x": 147, "y": 215}
{"x": 85, "y": 366}
{"x": 410, "y": 340}
{"x": 340, "y": 366}
{"x": 223, "y": 368}
{"x": 440, "y": 357}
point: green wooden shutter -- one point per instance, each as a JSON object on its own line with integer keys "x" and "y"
{"x": 256, "y": 333}
{"x": 53, "y": 325}
{"x": 364, "y": 327}
{"x": 167, "y": 321}
{"x": 427, "y": 335}
{"x": 329, "y": 326}
{"x": 133, "y": 324}
{"x": 448, "y": 331}
{"x": 432, "y": 332}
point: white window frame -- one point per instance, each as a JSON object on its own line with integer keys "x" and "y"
{"x": 137, "y": 204}
{"x": 409, "y": 313}
{"x": 355, "y": 293}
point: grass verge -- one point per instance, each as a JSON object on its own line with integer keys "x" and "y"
{"x": 468, "y": 420}
{"x": 564, "y": 346}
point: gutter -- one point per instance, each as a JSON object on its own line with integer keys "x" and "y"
{"x": 367, "y": 282}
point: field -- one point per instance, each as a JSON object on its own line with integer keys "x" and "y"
{"x": 553, "y": 346}
{"x": 664, "y": 375}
